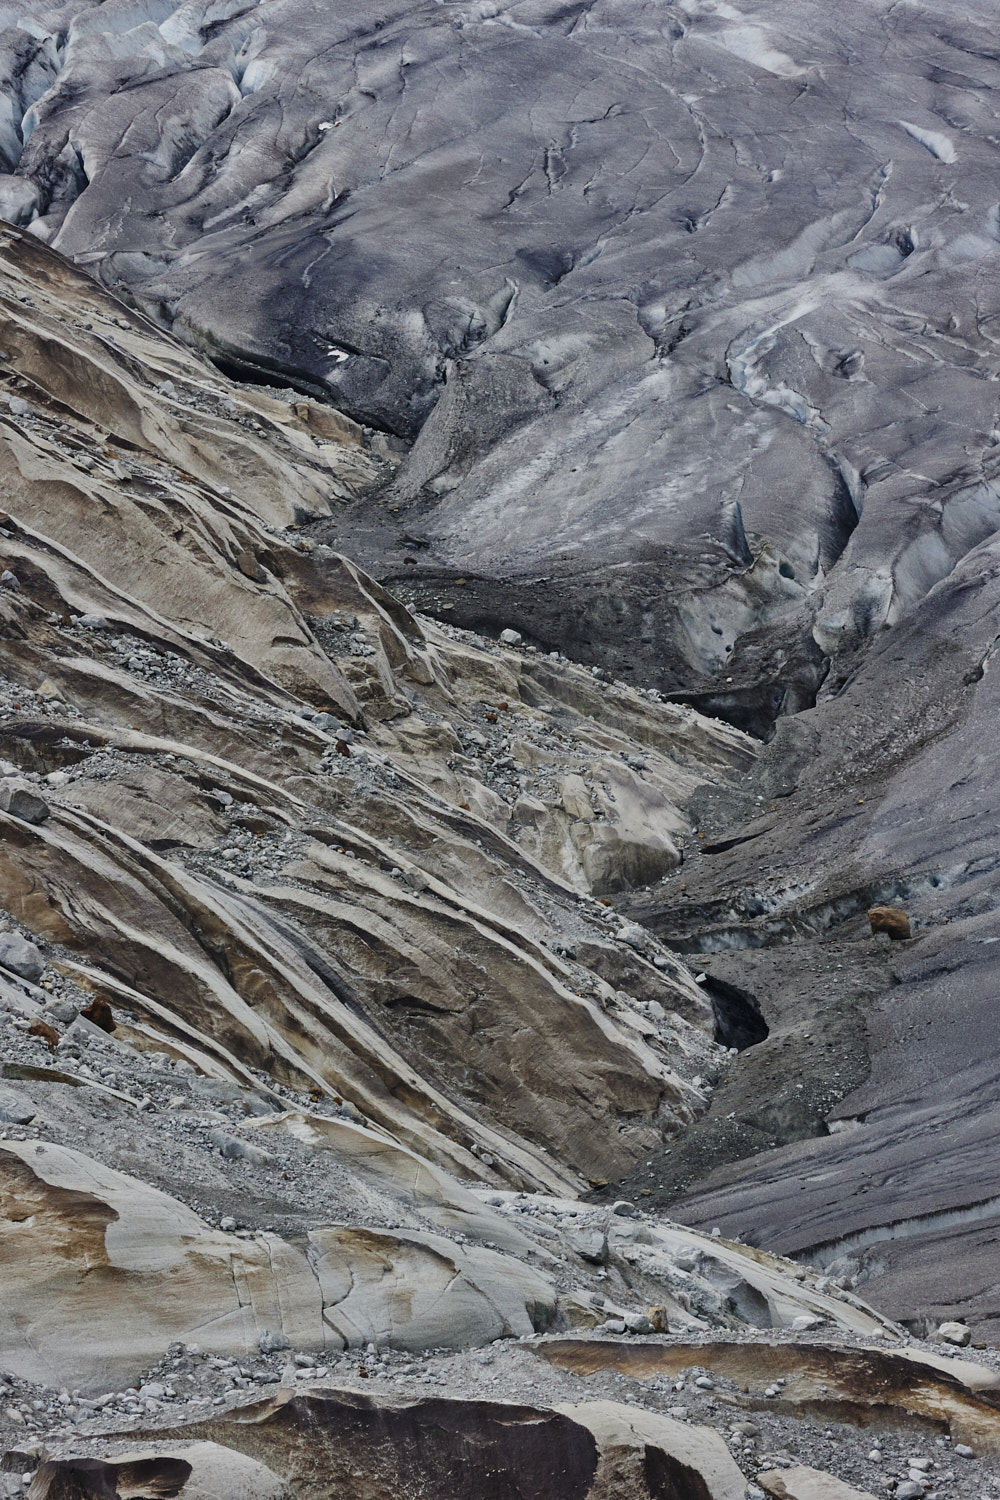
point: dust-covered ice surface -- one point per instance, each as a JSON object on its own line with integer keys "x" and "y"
{"x": 657, "y": 290}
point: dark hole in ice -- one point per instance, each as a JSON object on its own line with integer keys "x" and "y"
{"x": 739, "y": 1021}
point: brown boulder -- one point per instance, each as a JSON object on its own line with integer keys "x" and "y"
{"x": 93, "y": 1479}
{"x": 891, "y": 920}
{"x": 98, "y": 1012}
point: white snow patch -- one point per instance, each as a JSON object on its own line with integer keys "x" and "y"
{"x": 934, "y": 141}
{"x": 751, "y": 44}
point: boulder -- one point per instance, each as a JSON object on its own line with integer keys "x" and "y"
{"x": 15, "y": 1111}
{"x": 20, "y": 800}
{"x": 214, "y": 1472}
{"x": 99, "y": 1013}
{"x": 159, "y": 1478}
{"x": 889, "y": 919}
{"x": 955, "y": 1333}
{"x": 20, "y": 956}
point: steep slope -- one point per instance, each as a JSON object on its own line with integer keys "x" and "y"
{"x": 353, "y": 849}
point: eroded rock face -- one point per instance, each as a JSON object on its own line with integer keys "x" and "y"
{"x": 903, "y": 1388}
{"x": 93, "y": 1479}
{"x": 375, "y": 1446}
{"x": 101, "y": 1273}
{"x": 674, "y": 326}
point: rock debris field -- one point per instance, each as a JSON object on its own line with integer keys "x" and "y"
{"x": 498, "y": 617}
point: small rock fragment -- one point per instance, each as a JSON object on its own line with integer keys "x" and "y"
{"x": 46, "y": 1032}
{"x": 271, "y": 1343}
{"x": 510, "y": 637}
{"x": 250, "y": 567}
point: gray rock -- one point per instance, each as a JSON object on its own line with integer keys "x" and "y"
{"x": 21, "y": 801}
{"x": 61, "y": 1011}
{"x": 234, "y": 1149}
{"x": 272, "y": 1343}
{"x": 19, "y": 200}
{"x": 226, "y": 1092}
{"x": 14, "y": 1111}
{"x": 955, "y": 1333}
{"x": 510, "y": 637}
{"x": 590, "y": 1243}
{"x": 21, "y": 957}
{"x": 9, "y": 580}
